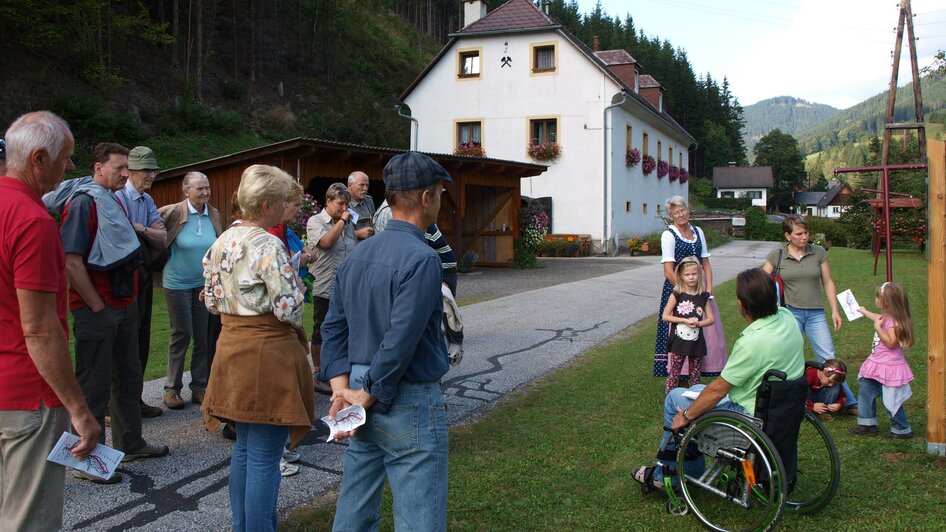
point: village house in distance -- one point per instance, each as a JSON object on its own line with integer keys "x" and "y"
{"x": 516, "y": 85}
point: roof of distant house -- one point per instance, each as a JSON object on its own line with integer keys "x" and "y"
{"x": 521, "y": 16}
{"x": 808, "y": 198}
{"x": 615, "y": 57}
{"x": 647, "y": 81}
{"x": 742, "y": 177}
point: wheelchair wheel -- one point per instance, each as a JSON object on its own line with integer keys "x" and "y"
{"x": 819, "y": 468}
{"x": 731, "y": 473}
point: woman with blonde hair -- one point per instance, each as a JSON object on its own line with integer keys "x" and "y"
{"x": 260, "y": 378}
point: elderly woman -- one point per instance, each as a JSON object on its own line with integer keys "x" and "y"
{"x": 679, "y": 241}
{"x": 334, "y": 237}
{"x": 804, "y": 269}
{"x": 193, "y": 226}
{"x": 260, "y": 379}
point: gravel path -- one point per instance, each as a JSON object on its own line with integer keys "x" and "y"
{"x": 544, "y": 318}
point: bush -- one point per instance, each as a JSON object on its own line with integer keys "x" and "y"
{"x": 758, "y": 226}
{"x": 736, "y": 204}
{"x": 190, "y": 115}
{"x": 834, "y": 233}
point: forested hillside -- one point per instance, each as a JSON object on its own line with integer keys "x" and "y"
{"x": 858, "y": 123}
{"x": 201, "y": 78}
{"x": 785, "y": 113}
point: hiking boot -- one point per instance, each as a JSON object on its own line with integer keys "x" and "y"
{"x": 82, "y": 475}
{"x": 150, "y": 411}
{"x": 148, "y": 451}
{"x": 895, "y": 436}
{"x": 852, "y": 411}
{"x": 173, "y": 400}
{"x": 826, "y": 417}
{"x": 197, "y": 397}
{"x": 863, "y": 430}
{"x": 229, "y": 431}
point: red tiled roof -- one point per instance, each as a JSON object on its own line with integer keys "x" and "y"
{"x": 647, "y": 81}
{"x": 615, "y": 57}
{"x": 513, "y": 15}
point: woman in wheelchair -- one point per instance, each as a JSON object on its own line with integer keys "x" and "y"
{"x": 771, "y": 341}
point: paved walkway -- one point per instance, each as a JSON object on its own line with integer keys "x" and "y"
{"x": 509, "y": 341}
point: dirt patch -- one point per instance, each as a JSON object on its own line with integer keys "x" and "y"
{"x": 894, "y": 457}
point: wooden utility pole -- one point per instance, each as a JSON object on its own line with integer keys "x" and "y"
{"x": 936, "y": 347}
{"x": 905, "y": 22}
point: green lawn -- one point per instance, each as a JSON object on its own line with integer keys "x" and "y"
{"x": 537, "y": 462}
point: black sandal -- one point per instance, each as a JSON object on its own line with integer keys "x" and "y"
{"x": 645, "y": 477}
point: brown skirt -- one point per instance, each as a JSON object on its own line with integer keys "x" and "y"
{"x": 260, "y": 375}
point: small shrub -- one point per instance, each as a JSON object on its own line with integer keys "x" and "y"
{"x": 467, "y": 262}
{"x": 280, "y": 119}
{"x": 234, "y": 90}
{"x": 634, "y": 244}
{"x": 833, "y": 233}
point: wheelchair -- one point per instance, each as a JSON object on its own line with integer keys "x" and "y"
{"x": 740, "y": 472}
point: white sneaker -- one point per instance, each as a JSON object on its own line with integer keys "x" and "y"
{"x": 286, "y": 469}
{"x": 290, "y": 456}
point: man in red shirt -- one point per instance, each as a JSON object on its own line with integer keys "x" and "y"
{"x": 39, "y": 394}
{"x": 102, "y": 257}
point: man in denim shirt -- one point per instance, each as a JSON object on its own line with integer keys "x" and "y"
{"x": 382, "y": 348}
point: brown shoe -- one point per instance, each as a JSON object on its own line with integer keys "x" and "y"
{"x": 863, "y": 430}
{"x": 895, "y": 436}
{"x": 173, "y": 400}
{"x": 150, "y": 411}
{"x": 197, "y": 397}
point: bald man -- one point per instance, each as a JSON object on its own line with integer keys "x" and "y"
{"x": 361, "y": 203}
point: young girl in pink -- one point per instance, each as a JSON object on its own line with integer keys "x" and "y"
{"x": 886, "y": 373}
{"x": 688, "y": 312}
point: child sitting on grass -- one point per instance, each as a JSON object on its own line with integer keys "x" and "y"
{"x": 824, "y": 388}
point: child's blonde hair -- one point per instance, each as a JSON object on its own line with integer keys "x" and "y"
{"x": 678, "y": 273}
{"x": 893, "y": 299}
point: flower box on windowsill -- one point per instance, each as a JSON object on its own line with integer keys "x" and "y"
{"x": 545, "y": 151}
{"x": 469, "y": 149}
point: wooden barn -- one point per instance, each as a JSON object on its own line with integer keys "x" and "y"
{"x": 479, "y": 212}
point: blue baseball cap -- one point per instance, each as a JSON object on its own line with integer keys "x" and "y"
{"x": 413, "y": 170}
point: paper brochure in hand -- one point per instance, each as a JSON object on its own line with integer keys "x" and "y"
{"x": 346, "y": 419}
{"x": 102, "y": 462}
{"x": 849, "y": 304}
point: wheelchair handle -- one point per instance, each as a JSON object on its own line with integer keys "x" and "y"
{"x": 778, "y": 374}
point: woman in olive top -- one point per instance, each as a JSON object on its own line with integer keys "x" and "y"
{"x": 804, "y": 270}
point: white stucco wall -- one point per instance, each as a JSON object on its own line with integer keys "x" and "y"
{"x": 504, "y": 99}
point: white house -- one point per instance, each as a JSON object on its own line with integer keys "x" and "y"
{"x": 514, "y": 77}
{"x": 743, "y": 182}
{"x": 828, "y": 204}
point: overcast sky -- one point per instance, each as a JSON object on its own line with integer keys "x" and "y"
{"x": 836, "y": 52}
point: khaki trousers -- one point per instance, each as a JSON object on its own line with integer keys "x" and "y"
{"x": 31, "y": 488}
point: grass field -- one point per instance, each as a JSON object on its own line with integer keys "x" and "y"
{"x": 539, "y": 462}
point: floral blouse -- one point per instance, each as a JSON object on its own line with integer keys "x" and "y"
{"x": 247, "y": 272}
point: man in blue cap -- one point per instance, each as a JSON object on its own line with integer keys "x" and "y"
{"x": 383, "y": 349}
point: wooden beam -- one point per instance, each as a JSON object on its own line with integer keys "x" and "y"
{"x": 936, "y": 349}
{"x": 905, "y": 125}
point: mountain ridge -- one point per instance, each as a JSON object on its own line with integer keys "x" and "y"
{"x": 786, "y": 113}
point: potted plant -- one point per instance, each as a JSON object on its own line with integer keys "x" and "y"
{"x": 632, "y": 157}
{"x": 684, "y": 176}
{"x": 470, "y": 149}
{"x": 544, "y": 151}
{"x": 648, "y": 164}
{"x": 662, "y": 169}
{"x": 674, "y": 173}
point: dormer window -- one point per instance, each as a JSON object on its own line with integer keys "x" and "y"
{"x": 468, "y": 63}
{"x": 544, "y": 58}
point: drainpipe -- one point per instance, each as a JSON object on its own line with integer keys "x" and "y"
{"x": 415, "y": 125}
{"x": 605, "y": 236}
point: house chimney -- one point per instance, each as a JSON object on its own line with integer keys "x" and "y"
{"x": 732, "y": 164}
{"x": 473, "y": 10}
{"x": 596, "y": 44}
{"x": 545, "y": 6}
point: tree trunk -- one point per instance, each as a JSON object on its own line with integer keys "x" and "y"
{"x": 175, "y": 33}
{"x": 252, "y": 40}
{"x": 198, "y": 92}
{"x": 236, "y": 54}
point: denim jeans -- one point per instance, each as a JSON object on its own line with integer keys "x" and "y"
{"x": 408, "y": 446}
{"x": 868, "y": 392}
{"x": 676, "y": 399}
{"x": 814, "y": 325}
{"x": 827, "y": 395}
{"x": 254, "y": 475}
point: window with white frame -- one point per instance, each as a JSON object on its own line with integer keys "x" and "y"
{"x": 469, "y": 64}
{"x": 754, "y": 194}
